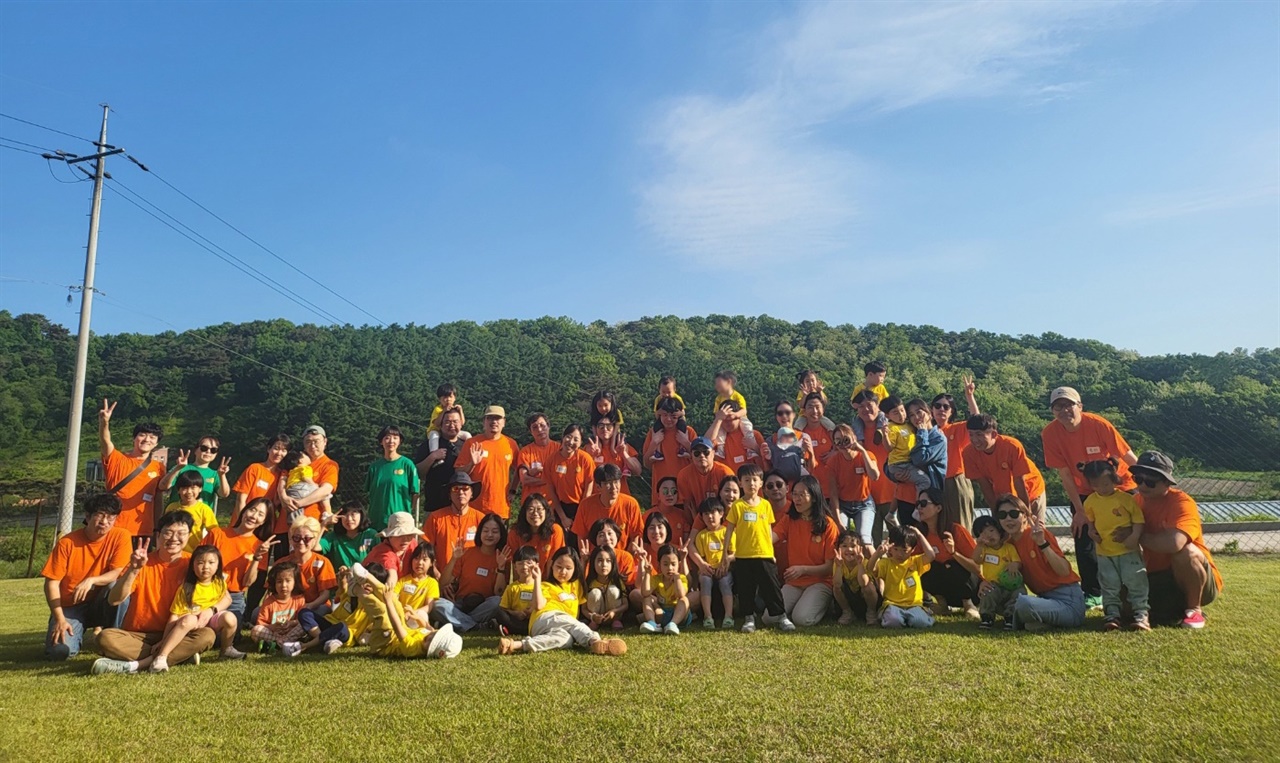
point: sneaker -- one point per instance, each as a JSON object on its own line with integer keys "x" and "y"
{"x": 159, "y": 665}
{"x": 1140, "y": 623}
{"x": 986, "y": 623}
{"x": 1093, "y": 603}
{"x": 617, "y": 625}
{"x": 291, "y": 648}
{"x": 1111, "y": 624}
{"x": 749, "y": 625}
{"x": 1008, "y": 624}
{"x": 332, "y": 645}
{"x": 709, "y": 623}
{"x": 785, "y": 625}
{"x": 657, "y": 456}
{"x": 231, "y": 653}
{"x": 671, "y": 629}
{"x": 649, "y": 626}
{"x": 195, "y": 659}
{"x": 727, "y": 622}
{"x": 971, "y": 613}
{"x": 1194, "y": 619}
{"x": 104, "y": 665}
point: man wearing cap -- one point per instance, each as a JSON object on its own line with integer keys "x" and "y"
{"x": 1073, "y": 438}
{"x": 666, "y": 451}
{"x": 488, "y": 457}
{"x": 324, "y": 471}
{"x": 458, "y": 521}
{"x": 134, "y": 477}
{"x": 436, "y": 467}
{"x": 1180, "y": 568}
{"x": 400, "y": 539}
{"x": 701, "y": 479}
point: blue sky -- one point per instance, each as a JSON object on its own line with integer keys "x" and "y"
{"x": 1098, "y": 170}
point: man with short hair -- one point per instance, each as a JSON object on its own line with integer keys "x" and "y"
{"x": 456, "y": 523}
{"x": 1073, "y": 438}
{"x": 999, "y": 464}
{"x": 150, "y": 583}
{"x": 133, "y": 477}
{"x": 324, "y": 471}
{"x": 488, "y": 458}
{"x": 1183, "y": 577}
{"x": 81, "y": 568}
{"x": 535, "y": 456}
{"x": 608, "y": 501}
{"x": 436, "y": 467}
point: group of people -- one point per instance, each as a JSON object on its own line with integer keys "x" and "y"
{"x": 868, "y": 521}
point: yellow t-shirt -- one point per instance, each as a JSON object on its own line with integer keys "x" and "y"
{"x": 902, "y": 580}
{"x": 994, "y": 560}
{"x": 560, "y": 598}
{"x": 518, "y": 597}
{"x": 735, "y": 396}
{"x": 203, "y": 597}
{"x": 879, "y": 390}
{"x": 667, "y": 594}
{"x": 349, "y": 611}
{"x": 414, "y": 594}
{"x": 204, "y": 519}
{"x": 841, "y": 573}
{"x": 674, "y": 396}
{"x": 901, "y": 439}
{"x": 710, "y": 545}
{"x": 1111, "y": 512}
{"x": 752, "y": 529}
{"x": 300, "y": 474}
{"x": 433, "y": 423}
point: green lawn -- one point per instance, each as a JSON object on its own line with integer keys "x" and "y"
{"x": 826, "y": 694}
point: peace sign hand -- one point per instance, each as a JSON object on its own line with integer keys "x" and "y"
{"x": 225, "y": 465}
{"x": 967, "y": 382}
{"x": 104, "y": 415}
{"x": 184, "y": 456}
{"x": 139, "y": 556}
{"x": 264, "y": 548}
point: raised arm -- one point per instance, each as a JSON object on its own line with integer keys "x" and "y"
{"x": 104, "y": 427}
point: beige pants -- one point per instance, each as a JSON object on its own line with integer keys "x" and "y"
{"x": 600, "y": 600}
{"x": 808, "y": 605}
{"x": 557, "y": 630}
{"x": 130, "y": 645}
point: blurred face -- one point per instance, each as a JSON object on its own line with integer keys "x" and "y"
{"x": 173, "y": 539}
{"x": 897, "y": 414}
{"x": 450, "y": 426}
{"x": 702, "y": 459}
{"x": 655, "y": 533}
{"x": 205, "y": 567}
{"x": 1103, "y": 485}
{"x": 713, "y": 518}
{"x": 668, "y": 493}
{"x": 540, "y": 429}
{"x": 99, "y": 524}
{"x": 536, "y": 513}
{"x": 313, "y": 445}
{"x": 723, "y": 387}
{"x": 276, "y": 453}
{"x": 253, "y": 516}
{"x": 351, "y": 520}
{"x": 989, "y": 537}
{"x": 609, "y": 491}
{"x": 304, "y": 459}
{"x": 670, "y": 565}
{"x": 421, "y": 565}
{"x": 205, "y": 451}
{"x": 571, "y": 442}
{"x": 607, "y": 537}
{"x": 285, "y": 585}
{"x": 391, "y": 442}
{"x": 775, "y": 489}
{"x": 562, "y": 569}
{"x": 801, "y": 499}
{"x": 604, "y": 565}
{"x": 1067, "y": 412}
{"x": 489, "y": 535}
{"x": 493, "y": 424}
{"x": 145, "y": 442}
{"x": 730, "y": 492}
{"x": 984, "y": 440}
{"x": 460, "y": 496}
{"x": 785, "y": 415}
{"x": 189, "y": 495}
{"x": 399, "y": 542}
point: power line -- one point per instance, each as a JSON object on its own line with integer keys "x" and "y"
{"x": 23, "y": 150}
{"x": 50, "y": 129}
{"x": 29, "y": 145}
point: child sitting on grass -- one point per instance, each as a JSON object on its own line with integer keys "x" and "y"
{"x": 898, "y": 578}
{"x": 277, "y": 621}
{"x": 999, "y": 564}
{"x": 854, "y": 588}
{"x": 201, "y": 602}
{"x": 517, "y": 600}
{"x": 665, "y": 592}
{"x": 418, "y": 590}
{"x": 606, "y": 590}
{"x": 712, "y": 560}
{"x": 556, "y": 604}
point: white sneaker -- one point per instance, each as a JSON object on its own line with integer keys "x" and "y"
{"x": 649, "y": 626}
{"x": 291, "y": 648}
{"x": 159, "y": 665}
{"x": 104, "y": 665}
{"x": 671, "y": 629}
{"x": 332, "y": 645}
{"x": 231, "y": 653}
{"x": 749, "y": 625}
{"x": 785, "y": 625}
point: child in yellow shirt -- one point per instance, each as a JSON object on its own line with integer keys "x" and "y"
{"x": 1120, "y": 565}
{"x": 189, "y": 484}
{"x": 725, "y": 381}
{"x": 873, "y": 382}
{"x": 388, "y": 635}
{"x": 854, "y": 588}
{"x": 447, "y": 395}
{"x": 749, "y": 532}
{"x": 999, "y": 564}
{"x": 665, "y": 592}
{"x": 712, "y": 559}
{"x": 898, "y": 574}
{"x": 517, "y": 600}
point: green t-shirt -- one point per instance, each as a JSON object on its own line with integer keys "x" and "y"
{"x": 344, "y": 550}
{"x": 208, "y": 493}
{"x": 389, "y": 487}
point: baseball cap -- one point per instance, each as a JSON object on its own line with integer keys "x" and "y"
{"x": 314, "y": 429}
{"x": 1156, "y": 462}
{"x": 702, "y": 442}
{"x": 1068, "y": 393}
{"x": 496, "y": 410}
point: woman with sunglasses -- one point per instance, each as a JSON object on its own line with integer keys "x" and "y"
{"x": 1058, "y": 599}
{"x": 200, "y": 459}
{"x": 951, "y": 577}
{"x": 957, "y": 491}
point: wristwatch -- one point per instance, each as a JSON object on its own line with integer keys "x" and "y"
{"x": 1044, "y": 545}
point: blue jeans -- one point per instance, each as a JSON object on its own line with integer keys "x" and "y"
{"x": 70, "y": 645}
{"x": 1062, "y": 606}
{"x": 237, "y": 608}
{"x": 859, "y": 517}
{"x": 445, "y": 611}
{"x": 310, "y": 620}
{"x": 897, "y": 617}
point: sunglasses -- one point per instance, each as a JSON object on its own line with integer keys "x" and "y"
{"x": 668, "y": 491}
{"x": 459, "y": 488}
{"x": 942, "y": 406}
{"x": 775, "y": 485}
{"x": 1011, "y": 514}
{"x": 923, "y": 502}
{"x": 207, "y": 448}
{"x": 302, "y": 539}
{"x": 783, "y": 413}
{"x": 1147, "y": 481}
{"x": 701, "y": 452}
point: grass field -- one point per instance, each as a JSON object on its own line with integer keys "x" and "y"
{"x": 828, "y": 693}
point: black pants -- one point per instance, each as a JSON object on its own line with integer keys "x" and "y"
{"x": 950, "y": 581}
{"x": 752, "y": 576}
{"x": 1086, "y": 560}
{"x": 516, "y": 626}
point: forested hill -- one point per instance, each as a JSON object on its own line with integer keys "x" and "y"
{"x": 246, "y": 381}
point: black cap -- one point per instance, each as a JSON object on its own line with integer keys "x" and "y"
{"x": 1157, "y": 463}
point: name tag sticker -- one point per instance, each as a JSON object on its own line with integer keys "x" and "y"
{"x": 526, "y": 595}
{"x": 991, "y": 559}
{"x": 737, "y": 459}
{"x": 714, "y": 545}
{"x": 471, "y": 534}
{"x": 1093, "y": 450}
{"x": 482, "y": 572}
{"x": 911, "y": 582}
{"x": 318, "y": 563}
{"x": 750, "y": 516}
{"x": 859, "y": 470}
{"x": 399, "y": 472}
{"x": 263, "y": 484}
{"x": 567, "y": 597}
{"x": 410, "y": 588}
{"x": 146, "y": 496}
{"x": 562, "y": 469}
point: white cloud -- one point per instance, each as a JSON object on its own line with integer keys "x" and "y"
{"x": 745, "y": 179}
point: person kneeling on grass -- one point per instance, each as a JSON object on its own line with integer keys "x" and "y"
{"x": 665, "y": 592}
{"x": 554, "y": 623}
{"x": 388, "y": 636}
{"x": 898, "y": 571}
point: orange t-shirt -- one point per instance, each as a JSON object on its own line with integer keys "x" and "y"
{"x": 1006, "y": 462}
{"x": 137, "y": 515}
{"x": 493, "y": 471}
{"x": 476, "y": 572}
{"x": 314, "y": 577}
{"x": 1036, "y": 572}
{"x": 257, "y": 481}
{"x": 1094, "y": 440}
{"x": 237, "y": 554}
{"x": 883, "y": 489}
{"x": 625, "y": 511}
{"x": 965, "y": 544}
{"x": 849, "y": 477}
{"x": 676, "y": 517}
{"x": 822, "y": 442}
{"x": 671, "y": 462}
{"x": 627, "y": 566}
{"x": 75, "y": 558}
{"x": 736, "y": 453}
{"x": 545, "y": 548}
{"x": 153, "y": 591}
{"x": 957, "y": 434}
{"x": 695, "y": 487}
{"x": 570, "y": 476}
{"x": 531, "y": 454}
{"x": 804, "y": 548}
{"x": 1174, "y": 510}
{"x": 443, "y": 528}
{"x": 608, "y": 456}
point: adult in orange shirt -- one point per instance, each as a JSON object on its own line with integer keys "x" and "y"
{"x": 666, "y": 452}
{"x": 957, "y": 490}
{"x": 570, "y": 476}
{"x": 243, "y": 554}
{"x": 325, "y": 474}
{"x": 82, "y": 566}
{"x": 535, "y": 527}
{"x": 867, "y": 405}
{"x": 471, "y": 584}
{"x": 701, "y": 479}
{"x": 137, "y": 493}
{"x": 1058, "y": 599}
{"x": 815, "y": 405}
{"x": 738, "y": 448}
{"x": 259, "y": 480}
{"x": 488, "y": 457}
{"x": 810, "y": 534}
{"x": 532, "y": 461}
{"x": 849, "y": 473}
{"x": 456, "y": 523}
{"x": 609, "y": 502}
{"x": 607, "y": 446}
{"x": 1073, "y": 438}
{"x": 1180, "y": 568}
{"x": 317, "y": 580}
{"x": 149, "y": 582}
{"x": 999, "y": 464}
{"x": 952, "y": 575}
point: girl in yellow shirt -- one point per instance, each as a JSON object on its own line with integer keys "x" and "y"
{"x": 665, "y": 592}
{"x": 201, "y": 602}
{"x": 554, "y": 623}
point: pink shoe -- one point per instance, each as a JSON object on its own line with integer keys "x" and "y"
{"x": 1194, "y": 619}
{"x": 617, "y": 625}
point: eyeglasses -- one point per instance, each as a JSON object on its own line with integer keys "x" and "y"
{"x": 171, "y": 535}
{"x": 942, "y": 406}
{"x": 1147, "y": 481}
{"x": 1011, "y": 514}
{"x": 1063, "y": 405}
{"x": 207, "y": 448}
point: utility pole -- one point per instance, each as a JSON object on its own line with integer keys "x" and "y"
{"x": 67, "y": 506}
